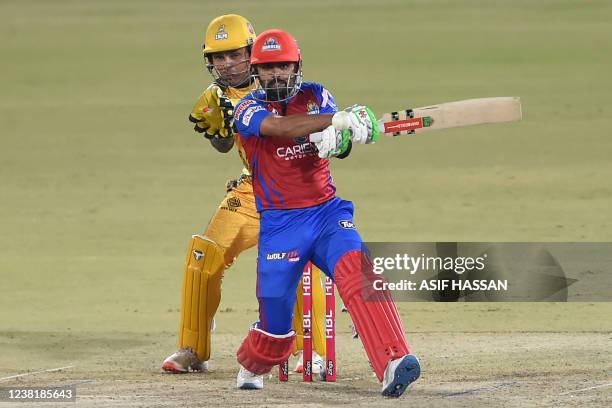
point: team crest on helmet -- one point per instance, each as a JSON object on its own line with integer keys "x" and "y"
{"x": 312, "y": 108}
{"x": 271, "y": 44}
{"x": 221, "y": 34}
{"x": 250, "y": 28}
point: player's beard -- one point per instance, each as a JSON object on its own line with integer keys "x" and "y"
{"x": 278, "y": 89}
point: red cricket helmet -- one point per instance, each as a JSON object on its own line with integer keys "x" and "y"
{"x": 275, "y": 46}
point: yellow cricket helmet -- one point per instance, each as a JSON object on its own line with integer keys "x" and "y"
{"x": 228, "y": 32}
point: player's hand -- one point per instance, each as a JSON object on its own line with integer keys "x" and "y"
{"x": 360, "y": 121}
{"x": 227, "y": 110}
{"x": 331, "y": 142}
{"x": 213, "y": 114}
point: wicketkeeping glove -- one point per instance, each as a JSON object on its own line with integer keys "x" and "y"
{"x": 360, "y": 121}
{"x": 331, "y": 142}
{"x": 213, "y": 114}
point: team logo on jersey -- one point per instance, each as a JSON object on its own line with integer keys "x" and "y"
{"x": 271, "y": 44}
{"x": 312, "y": 108}
{"x": 232, "y": 204}
{"x": 346, "y": 224}
{"x": 197, "y": 255}
{"x": 221, "y": 34}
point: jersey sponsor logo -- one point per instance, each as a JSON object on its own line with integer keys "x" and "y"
{"x": 291, "y": 256}
{"x": 246, "y": 118}
{"x": 243, "y": 106}
{"x": 346, "y": 224}
{"x": 298, "y": 151}
{"x": 312, "y": 108}
{"x": 197, "y": 255}
{"x": 271, "y": 44}
{"x": 221, "y": 34}
{"x": 300, "y": 139}
{"x": 276, "y": 256}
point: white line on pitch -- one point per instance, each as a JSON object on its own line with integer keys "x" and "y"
{"x": 586, "y": 389}
{"x": 35, "y": 372}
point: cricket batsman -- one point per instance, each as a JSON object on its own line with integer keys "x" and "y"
{"x": 235, "y": 225}
{"x": 289, "y": 129}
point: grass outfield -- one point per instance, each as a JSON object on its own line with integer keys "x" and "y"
{"x": 102, "y": 180}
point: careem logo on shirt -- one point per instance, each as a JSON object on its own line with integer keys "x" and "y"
{"x": 303, "y": 149}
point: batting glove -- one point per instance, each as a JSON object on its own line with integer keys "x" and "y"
{"x": 331, "y": 142}
{"x": 361, "y": 123}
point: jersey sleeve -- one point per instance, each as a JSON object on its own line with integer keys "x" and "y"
{"x": 326, "y": 100}
{"x": 248, "y": 116}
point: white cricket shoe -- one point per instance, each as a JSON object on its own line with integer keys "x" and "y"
{"x": 399, "y": 374}
{"x": 184, "y": 361}
{"x": 247, "y": 380}
{"x": 318, "y": 363}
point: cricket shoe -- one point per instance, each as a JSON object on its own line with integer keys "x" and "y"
{"x": 184, "y": 361}
{"x": 318, "y": 363}
{"x": 399, "y": 375}
{"x": 247, "y": 380}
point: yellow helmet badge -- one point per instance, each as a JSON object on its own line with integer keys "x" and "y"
{"x": 221, "y": 33}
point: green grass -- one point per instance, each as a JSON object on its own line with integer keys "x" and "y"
{"x": 103, "y": 180}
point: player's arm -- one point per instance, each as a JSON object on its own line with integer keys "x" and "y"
{"x": 254, "y": 120}
{"x": 294, "y": 125}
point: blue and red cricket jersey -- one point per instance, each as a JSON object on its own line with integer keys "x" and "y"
{"x": 287, "y": 173}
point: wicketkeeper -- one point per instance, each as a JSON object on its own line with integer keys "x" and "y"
{"x": 235, "y": 225}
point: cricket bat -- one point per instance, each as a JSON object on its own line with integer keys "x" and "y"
{"x": 452, "y": 114}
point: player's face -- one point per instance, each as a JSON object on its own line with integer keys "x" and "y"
{"x": 276, "y": 78}
{"x": 232, "y": 66}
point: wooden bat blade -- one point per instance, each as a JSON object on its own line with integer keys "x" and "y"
{"x": 452, "y": 114}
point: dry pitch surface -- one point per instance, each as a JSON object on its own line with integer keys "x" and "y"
{"x": 460, "y": 368}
